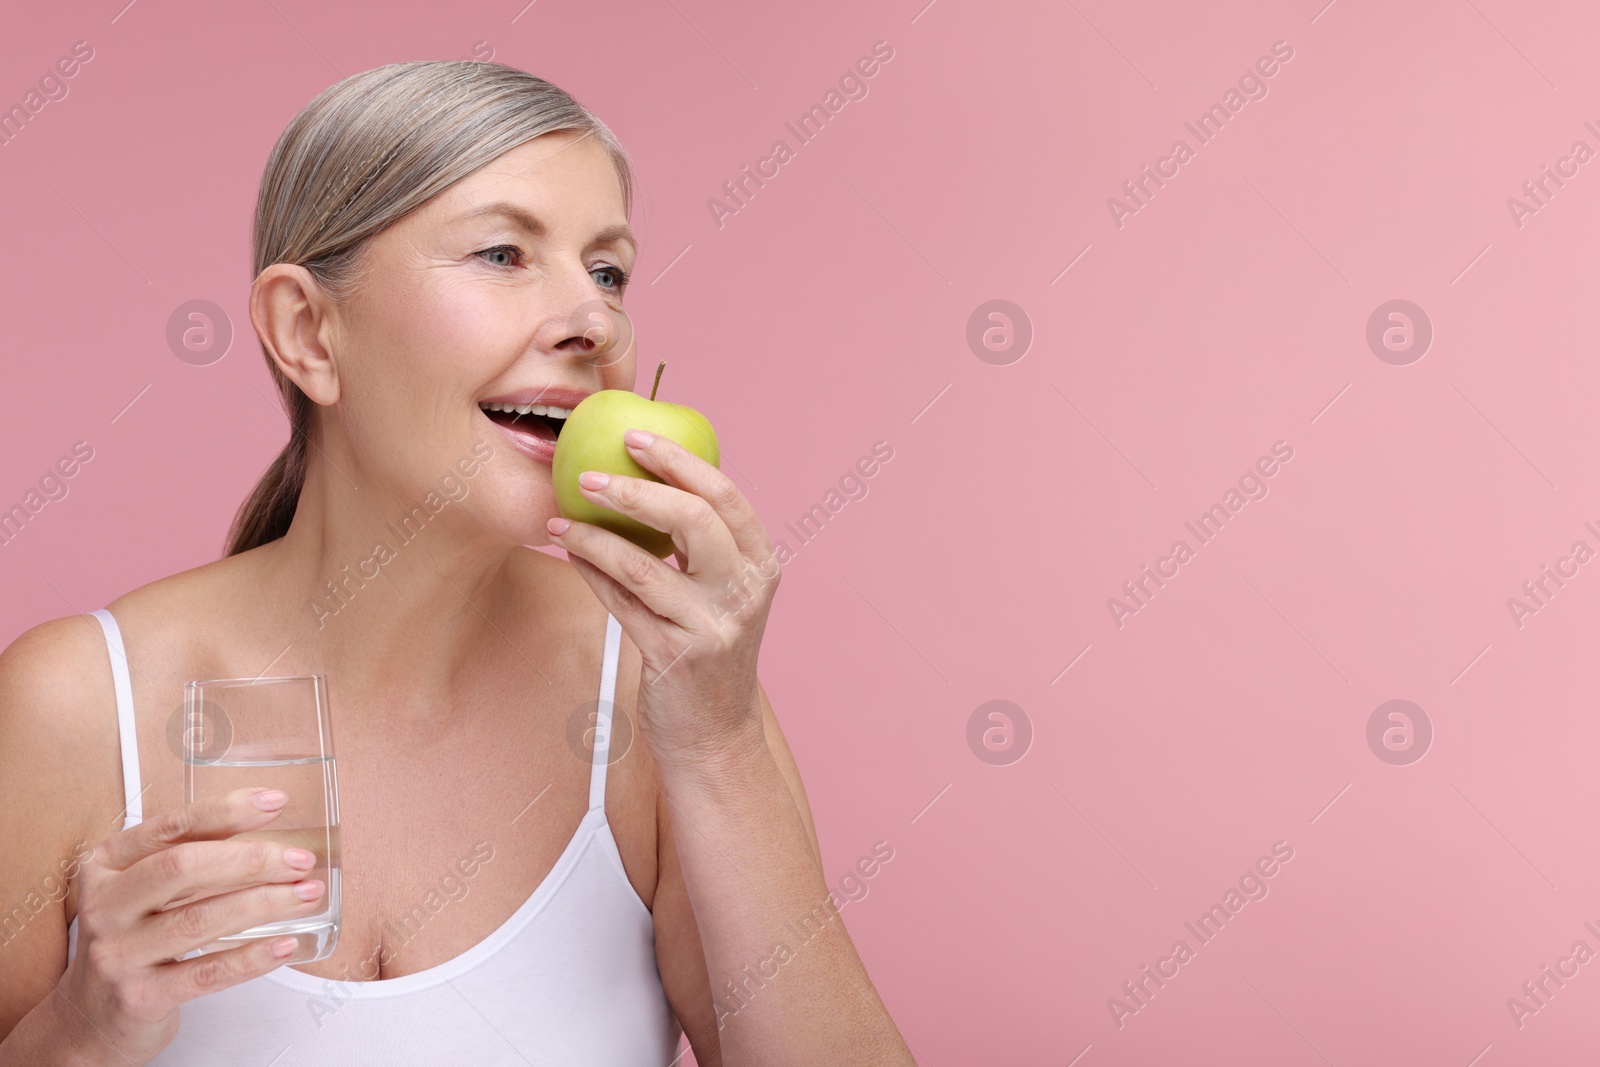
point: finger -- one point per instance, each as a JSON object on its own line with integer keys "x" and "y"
{"x": 659, "y": 587}
{"x": 170, "y": 934}
{"x": 211, "y": 819}
{"x": 631, "y": 613}
{"x": 638, "y": 621}
{"x": 203, "y": 867}
{"x": 698, "y": 531}
{"x": 679, "y": 467}
{"x": 187, "y": 979}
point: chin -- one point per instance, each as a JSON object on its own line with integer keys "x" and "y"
{"x": 524, "y": 524}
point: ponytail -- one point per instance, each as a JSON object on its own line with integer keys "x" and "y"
{"x": 265, "y": 516}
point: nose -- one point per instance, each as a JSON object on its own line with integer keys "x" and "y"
{"x": 600, "y": 331}
{"x": 580, "y": 319}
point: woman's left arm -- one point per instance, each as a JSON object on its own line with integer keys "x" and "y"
{"x": 771, "y": 959}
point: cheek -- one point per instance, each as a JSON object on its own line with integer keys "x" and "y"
{"x": 447, "y": 326}
{"x": 624, "y": 374}
{"x": 413, "y": 380}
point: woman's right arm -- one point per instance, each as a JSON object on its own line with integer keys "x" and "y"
{"x": 60, "y": 801}
{"x": 50, "y": 757}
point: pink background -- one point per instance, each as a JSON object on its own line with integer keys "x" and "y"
{"x": 1227, "y": 314}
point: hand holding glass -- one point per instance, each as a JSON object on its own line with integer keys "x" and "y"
{"x": 272, "y": 733}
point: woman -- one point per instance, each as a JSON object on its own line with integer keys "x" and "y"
{"x": 436, "y": 242}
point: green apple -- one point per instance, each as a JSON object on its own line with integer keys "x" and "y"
{"x": 591, "y": 440}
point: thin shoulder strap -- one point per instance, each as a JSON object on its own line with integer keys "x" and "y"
{"x": 602, "y": 722}
{"x": 127, "y": 735}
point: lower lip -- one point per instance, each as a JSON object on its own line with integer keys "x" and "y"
{"x": 526, "y": 443}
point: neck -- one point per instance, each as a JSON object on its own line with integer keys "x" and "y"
{"x": 400, "y": 597}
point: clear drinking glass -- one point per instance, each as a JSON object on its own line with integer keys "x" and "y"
{"x": 272, "y": 733}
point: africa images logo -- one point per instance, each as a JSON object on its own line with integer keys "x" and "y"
{"x": 852, "y": 86}
{"x": 1252, "y": 85}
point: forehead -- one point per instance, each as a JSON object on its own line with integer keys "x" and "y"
{"x": 558, "y": 175}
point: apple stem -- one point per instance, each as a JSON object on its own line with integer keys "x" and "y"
{"x": 657, "y": 384}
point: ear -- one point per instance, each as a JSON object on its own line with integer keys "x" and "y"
{"x": 294, "y": 317}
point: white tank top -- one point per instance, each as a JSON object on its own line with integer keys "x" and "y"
{"x": 569, "y": 978}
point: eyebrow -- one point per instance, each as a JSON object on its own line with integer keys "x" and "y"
{"x": 530, "y": 223}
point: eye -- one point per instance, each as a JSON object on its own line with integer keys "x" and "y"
{"x": 501, "y": 250}
{"x": 618, "y": 276}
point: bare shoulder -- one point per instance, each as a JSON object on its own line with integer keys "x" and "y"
{"x": 60, "y": 759}
{"x": 169, "y": 614}
{"x": 58, "y": 733}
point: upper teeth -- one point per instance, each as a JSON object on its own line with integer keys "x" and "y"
{"x": 531, "y": 409}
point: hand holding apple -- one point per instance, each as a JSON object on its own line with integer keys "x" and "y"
{"x": 591, "y": 440}
{"x": 651, "y": 488}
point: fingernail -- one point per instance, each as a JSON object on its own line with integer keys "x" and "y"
{"x": 594, "y": 480}
{"x": 639, "y": 439}
{"x": 299, "y": 857}
{"x": 308, "y": 890}
{"x": 557, "y": 526}
{"x": 270, "y": 799}
{"x": 284, "y": 947}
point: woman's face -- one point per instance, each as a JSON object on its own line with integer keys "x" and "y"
{"x": 505, "y": 289}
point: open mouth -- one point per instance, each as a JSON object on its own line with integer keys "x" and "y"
{"x": 543, "y": 421}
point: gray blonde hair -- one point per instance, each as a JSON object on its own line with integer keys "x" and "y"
{"x": 362, "y": 155}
